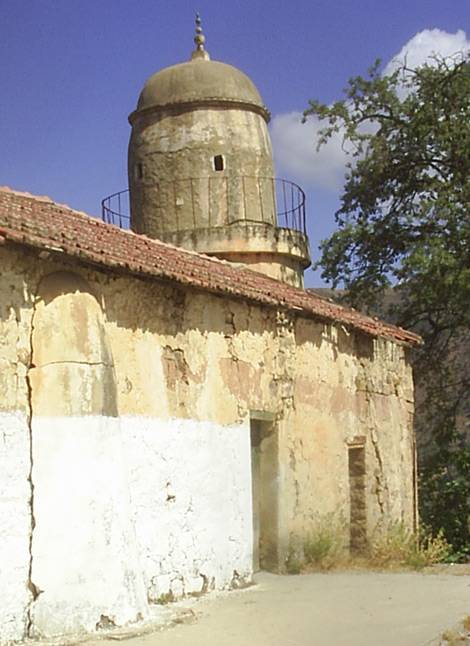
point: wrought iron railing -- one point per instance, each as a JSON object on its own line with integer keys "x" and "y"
{"x": 288, "y": 197}
{"x": 115, "y": 209}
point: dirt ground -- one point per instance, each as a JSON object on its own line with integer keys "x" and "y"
{"x": 338, "y": 609}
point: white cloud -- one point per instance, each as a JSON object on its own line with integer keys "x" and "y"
{"x": 295, "y": 143}
{"x": 425, "y": 44}
{"x": 296, "y": 157}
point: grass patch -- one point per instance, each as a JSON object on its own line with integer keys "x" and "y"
{"x": 396, "y": 547}
{"x": 323, "y": 547}
{"x": 453, "y": 638}
{"x": 165, "y": 597}
{"x": 399, "y": 546}
{"x": 293, "y": 562}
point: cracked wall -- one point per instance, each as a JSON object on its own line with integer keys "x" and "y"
{"x": 142, "y": 394}
{"x": 190, "y": 503}
{"x": 15, "y": 490}
{"x": 83, "y": 539}
{"x": 348, "y": 388}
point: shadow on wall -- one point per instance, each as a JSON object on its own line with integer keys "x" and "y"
{"x": 163, "y": 309}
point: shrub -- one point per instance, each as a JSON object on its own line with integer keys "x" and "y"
{"x": 165, "y": 597}
{"x": 324, "y": 544}
{"x": 400, "y": 546}
{"x": 445, "y": 497}
{"x": 293, "y": 562}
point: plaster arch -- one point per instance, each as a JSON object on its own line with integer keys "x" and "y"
{"x": 72, "y": 364}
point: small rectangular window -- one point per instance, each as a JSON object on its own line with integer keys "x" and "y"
{"x": 219, "y": 162}
{"x": 139, "y": 170}
{"x": 357, "y": 498}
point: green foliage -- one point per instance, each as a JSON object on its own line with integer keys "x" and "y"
{"x": 404, "y": 220}
{"x": 404, "y": 211}
{"x": 445, "y": 487}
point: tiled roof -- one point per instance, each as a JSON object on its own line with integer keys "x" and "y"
{"x": 42, "y": 224}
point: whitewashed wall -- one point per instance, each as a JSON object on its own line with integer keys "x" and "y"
{"x": 190, "y": 488}
{"x": 129, "y": 510}
{"x": 85, "y": 559}
{"x": 15, "y": 525}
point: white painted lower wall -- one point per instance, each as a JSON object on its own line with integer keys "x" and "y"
{"x": 190, "y": 488}
{"x": 15, "y": 525}
{"x": 129, "y": 510}
{"x": 85, "y": 558}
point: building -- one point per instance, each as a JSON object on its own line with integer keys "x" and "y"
{"x": 171, "y": 421}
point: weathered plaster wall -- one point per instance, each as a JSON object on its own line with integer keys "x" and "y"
{"x": 214, "y": 359}
{"x": 15, "y": 525}
{"x": 174, "y": 185}
{"x": 350, "y": 388}
{"x": 148, "y": 492}
{"x": 109, "y": 537}
{"x": 15, "y": 464}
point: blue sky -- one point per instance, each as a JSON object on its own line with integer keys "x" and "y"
{"x": 71, "y": 72}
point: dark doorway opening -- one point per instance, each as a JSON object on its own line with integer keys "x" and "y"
{"x": 265, "y": 485}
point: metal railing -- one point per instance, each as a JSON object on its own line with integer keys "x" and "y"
{"x": 115, "y": 209}
{"x": 270, "y": 193}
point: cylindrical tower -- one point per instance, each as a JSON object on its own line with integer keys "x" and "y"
{"x": 201, "y": 171}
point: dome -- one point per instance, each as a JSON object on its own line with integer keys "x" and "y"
{"x": 199, "y": 80}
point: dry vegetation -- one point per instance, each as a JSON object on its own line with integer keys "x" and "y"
{"x": 396, "y": 547}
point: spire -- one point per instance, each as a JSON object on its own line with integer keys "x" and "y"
{"x": 199, "y": 40}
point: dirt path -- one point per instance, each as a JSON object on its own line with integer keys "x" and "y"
{"x": 337, "y": 609}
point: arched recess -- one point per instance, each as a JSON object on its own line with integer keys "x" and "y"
{"x": 73, "y": 372}
{"x": 84, "y": 560}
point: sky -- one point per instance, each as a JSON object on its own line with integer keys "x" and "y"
{"x": 71, "y": 72}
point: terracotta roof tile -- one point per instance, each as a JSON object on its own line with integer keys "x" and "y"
{"x": 43, "y": 224}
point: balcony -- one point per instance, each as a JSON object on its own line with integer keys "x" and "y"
{"x": 228, "y": 201}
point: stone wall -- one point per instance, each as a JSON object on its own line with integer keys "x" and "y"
{"x": 137, "y": 396}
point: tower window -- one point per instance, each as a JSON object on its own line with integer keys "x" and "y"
{"x": 139, "y": 170}
{"x": 219, "y": 162}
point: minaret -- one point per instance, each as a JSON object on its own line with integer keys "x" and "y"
{"x": 201, "y": 170}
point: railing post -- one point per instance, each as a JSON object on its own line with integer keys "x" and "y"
{"x": 273, "y": 189}
{"x": 285, "y": 200}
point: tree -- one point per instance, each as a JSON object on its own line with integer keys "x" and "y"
{"x": 404, "y": 221}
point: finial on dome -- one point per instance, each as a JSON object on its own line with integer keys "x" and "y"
{"x": 199, "y": 40}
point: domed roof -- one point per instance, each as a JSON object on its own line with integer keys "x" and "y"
{"x": 198, "y": 80}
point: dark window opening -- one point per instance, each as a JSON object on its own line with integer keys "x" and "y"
{"x": 139, "y": 171}
{"x": 357, "y": 496}
{"x": 219, "y": 162}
